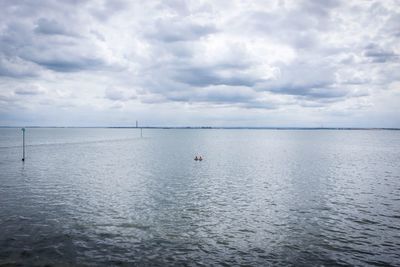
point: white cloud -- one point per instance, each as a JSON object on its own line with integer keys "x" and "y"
{"x": 250, "y": 62}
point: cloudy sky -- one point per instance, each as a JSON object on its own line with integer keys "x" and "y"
{"x": 214, "y": 63}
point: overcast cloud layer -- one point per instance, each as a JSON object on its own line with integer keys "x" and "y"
{"x": 216, "y": 63}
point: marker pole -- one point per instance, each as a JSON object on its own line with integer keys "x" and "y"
{"x": 23, "y": 144}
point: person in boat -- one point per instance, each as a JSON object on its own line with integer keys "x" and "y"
{"x": 196, "y": 158}
{"x": 200, "y": 158}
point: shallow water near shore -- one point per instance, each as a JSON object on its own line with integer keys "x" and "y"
{"x": 259, "y": 197}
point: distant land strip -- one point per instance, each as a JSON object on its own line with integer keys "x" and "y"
{"x": 210, "y": 127}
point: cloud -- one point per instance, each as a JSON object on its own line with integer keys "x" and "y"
{"x": 114, "y": 94}
{"x": 205, "y": 76}
{"x": 17, "y": 68}
{"x": 64, "y": 63}
{"x": 50, "y": 44}
{"x": 46, "y": 26}
{"x": 29, "y": 90}
{"x": 242, "y": 58}
{"x": 217, "y": 94}
{"x": 108, "y": 9}
{"x": 380, "y": 55}
{"x": 177, "y": 29}
{"x": 315, "y": 81}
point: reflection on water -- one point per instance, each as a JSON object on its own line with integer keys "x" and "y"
{"x": 109, "y": 197}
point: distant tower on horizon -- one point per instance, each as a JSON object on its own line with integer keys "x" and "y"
{"x": 136, "y": 124}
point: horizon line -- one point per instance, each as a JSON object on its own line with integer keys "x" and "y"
{"x": 214, "y": 127}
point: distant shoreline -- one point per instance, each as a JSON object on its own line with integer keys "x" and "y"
{"x": 204, "y": 128}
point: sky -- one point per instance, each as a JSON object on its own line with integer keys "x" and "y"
{"x": 243, "y": 63}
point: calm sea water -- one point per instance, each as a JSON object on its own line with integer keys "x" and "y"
{"x": 259, "y": 197}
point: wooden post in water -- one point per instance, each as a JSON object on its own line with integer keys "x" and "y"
{"x": 141, "y": 129}
{"x": 23, "y": 144}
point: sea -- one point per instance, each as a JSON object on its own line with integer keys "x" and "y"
{"x": 259, "y": 197}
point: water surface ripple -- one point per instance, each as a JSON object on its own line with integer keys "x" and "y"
{"x": 260, "y": 197}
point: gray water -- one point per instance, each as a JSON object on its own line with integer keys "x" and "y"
{"x": 259, "y": 197}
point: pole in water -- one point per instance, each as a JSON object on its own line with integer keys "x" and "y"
{"x": 141, "y": 132}
{"x": 23, "y": 144}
